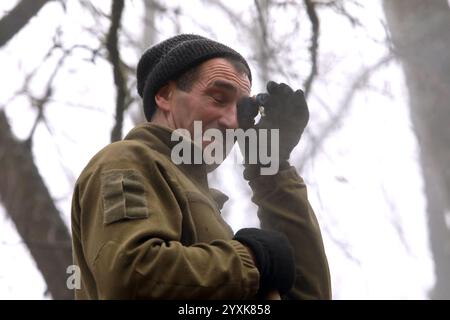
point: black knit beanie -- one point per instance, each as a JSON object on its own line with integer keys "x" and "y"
{"x": 169, "y": 59}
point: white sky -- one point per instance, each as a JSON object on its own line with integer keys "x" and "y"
{"x": 365, "y": 178}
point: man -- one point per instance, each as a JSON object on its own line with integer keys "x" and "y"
{"x": 147, "y": 228}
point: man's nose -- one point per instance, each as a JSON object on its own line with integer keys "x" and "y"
{"x": 228, "y": 118}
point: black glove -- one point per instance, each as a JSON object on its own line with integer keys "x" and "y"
{"x": 284, "y": 109}
{"x": 274, "y": 258}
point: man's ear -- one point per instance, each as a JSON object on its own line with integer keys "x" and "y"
{"x": 163, "y": 97}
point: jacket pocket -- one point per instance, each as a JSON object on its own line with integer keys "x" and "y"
{"x": 124, "y": 196}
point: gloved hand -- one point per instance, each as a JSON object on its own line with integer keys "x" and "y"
{"x": 284, "y": 109}
{"x": 274, "y": 258}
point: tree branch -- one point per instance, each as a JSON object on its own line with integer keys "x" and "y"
{"x": 18, "y": 17}
{"x": 263, "y": 49}
{"x": 313, "y": 49}
{"x": 336, "y": 119}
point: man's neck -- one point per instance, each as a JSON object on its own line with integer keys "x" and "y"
{"x": 163, "y": 119}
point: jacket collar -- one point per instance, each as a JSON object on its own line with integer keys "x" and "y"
{"x": 158, "y": 138}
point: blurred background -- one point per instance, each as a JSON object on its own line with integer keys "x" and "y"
{"x": 375, "y": 155}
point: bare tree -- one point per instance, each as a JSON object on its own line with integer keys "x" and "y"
{"x": 26, "y": 197}
{"x": 420, "y": 35}
{"x": 23, "y": 191}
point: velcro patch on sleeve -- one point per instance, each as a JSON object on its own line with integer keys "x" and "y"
{"x": 124, "y": 195}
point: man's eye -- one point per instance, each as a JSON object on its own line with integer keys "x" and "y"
{"x": 219, "y": 99}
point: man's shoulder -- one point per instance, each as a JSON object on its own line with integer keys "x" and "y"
{"x": 124, "y": 150}
{"x": 124, "y": 154}
{"x": 130, "y": 150}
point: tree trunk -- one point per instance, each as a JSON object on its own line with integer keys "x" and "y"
{"x": 30, "y": 206}
{"x": 148, "y": 38}
{"x": 421, "y": 35}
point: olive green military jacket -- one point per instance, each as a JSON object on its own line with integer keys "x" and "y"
{"x": 145, "y": 228}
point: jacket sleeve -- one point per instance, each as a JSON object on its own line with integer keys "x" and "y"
{"x": 283, "y": 206}
{"x": 131, "y": 226}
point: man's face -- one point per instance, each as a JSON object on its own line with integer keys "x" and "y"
{"x": 212, "y": 98}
